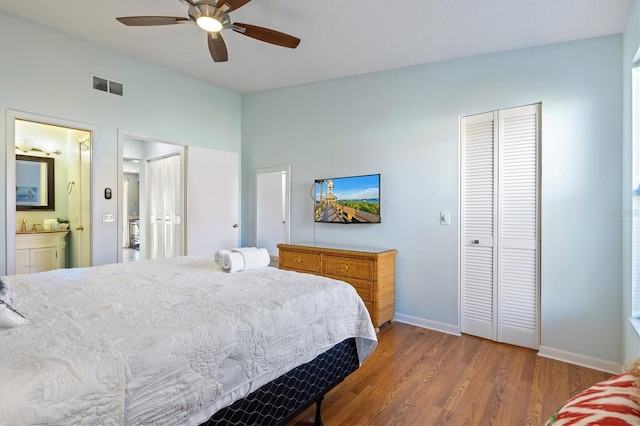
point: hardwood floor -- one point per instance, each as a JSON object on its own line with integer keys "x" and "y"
{"x": 422, "y": 377}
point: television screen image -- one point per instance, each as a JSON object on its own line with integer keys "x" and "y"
{"x": 353, "y": 199}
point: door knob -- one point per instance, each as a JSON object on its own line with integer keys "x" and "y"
{"x": 80, "y": 228}
{"x": 235, "y": 225}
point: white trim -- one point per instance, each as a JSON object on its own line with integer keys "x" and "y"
{"x": 431, "y": 325}
{"x": 582, "y": 360}
{"x": 544, "y": 351}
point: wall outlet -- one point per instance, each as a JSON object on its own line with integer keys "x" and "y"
{"x": 445, "y": 218}
{"x": 108, "y": 217}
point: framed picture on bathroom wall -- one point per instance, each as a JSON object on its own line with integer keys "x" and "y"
{"x": 28, "y": 195}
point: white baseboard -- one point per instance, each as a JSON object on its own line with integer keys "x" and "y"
{"x": 544, "y": 351}
{"x": 432, "y": 325}
{"x": 582, "y": 360}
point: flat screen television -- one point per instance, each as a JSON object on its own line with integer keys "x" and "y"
{"x": 352, "y": 199}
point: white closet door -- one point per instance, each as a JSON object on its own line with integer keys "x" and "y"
{"x": 499, "y": 250}
{"x": 176, "y": 190}
{"x": 169, "y": 205}
{"x": 172, "y": 206}
{"x": 518, "y": 231}
{"x": 155, "y": 185}
{"x": 477, "y": 226}
{"x": 165, "y": 207}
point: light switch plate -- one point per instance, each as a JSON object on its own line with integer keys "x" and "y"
{"x": 108, "y": 217}
{"x": 445, "y": 218}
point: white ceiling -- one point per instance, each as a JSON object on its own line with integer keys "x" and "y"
{"x": 339, "y": 37}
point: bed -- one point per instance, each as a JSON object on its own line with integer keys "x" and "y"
{"x": 176, "y": 341}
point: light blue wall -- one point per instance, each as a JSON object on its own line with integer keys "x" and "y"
{"x": 404, "y": 125}
{"x": 48, "y": 73}
{"x": 631, "y": 46}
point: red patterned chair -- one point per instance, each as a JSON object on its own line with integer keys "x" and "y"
{"x": 611, "y": 402}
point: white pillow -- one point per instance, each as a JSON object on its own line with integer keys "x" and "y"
{"x": 9, "y": 317}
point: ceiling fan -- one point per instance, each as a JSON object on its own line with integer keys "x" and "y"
{"x": 213, "y": 17}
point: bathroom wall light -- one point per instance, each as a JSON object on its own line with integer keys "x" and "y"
{"x": 27, "y": 145}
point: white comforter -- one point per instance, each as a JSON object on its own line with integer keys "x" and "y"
{"x": 163, "y": 342}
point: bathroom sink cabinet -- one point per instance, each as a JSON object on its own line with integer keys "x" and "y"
{"x": 40, "y": 251}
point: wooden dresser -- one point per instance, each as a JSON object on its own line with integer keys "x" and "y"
{"x": 372, "y": 271}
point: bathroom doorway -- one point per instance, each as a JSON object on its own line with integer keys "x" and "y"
{"x": 69, "y": 147}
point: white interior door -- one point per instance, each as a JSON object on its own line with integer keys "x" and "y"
{"x": 478, "y": 221}
{"x": 171, "y": 178}
{"x": 155, "y": 209}
{"x": 212, "y": 200}
{"x": 500, "y": 235}
{"x": 86, "y": 148}
{"x": 269, "y": 210}
{"x": 174, "y": 188}
{"x": 519, "y": 232}
{"x": 165, "y": 187}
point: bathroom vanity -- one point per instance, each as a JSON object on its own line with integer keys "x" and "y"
{"x": 39, "y": 251}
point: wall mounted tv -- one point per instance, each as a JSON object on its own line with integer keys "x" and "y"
{"x": 352, "y": 199}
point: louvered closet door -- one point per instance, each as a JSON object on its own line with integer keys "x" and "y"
{"x": 173, "y": 206}
{"x": 518, "y": 230}
{"x": 177, "y": 198}
{"x": 500, "y": 225}
{"x": 156, "y": 228}
{"x": 477, "y": 225}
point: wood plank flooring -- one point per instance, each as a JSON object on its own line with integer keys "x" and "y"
{"x": 422, "y": 377}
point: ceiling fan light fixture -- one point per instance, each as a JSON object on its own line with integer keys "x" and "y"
{"x": 213, "y": 17}
{"x": 209, "y": 24}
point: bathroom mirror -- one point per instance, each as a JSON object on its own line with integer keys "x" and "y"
{"x": 34, "y": 183}
{"x": 273, "y": 193}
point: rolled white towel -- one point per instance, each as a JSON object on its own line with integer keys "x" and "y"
{"x": 218, "y": 256}
{"x": 233, "y": 262}
{"x": 254, "y": 258}
{"x": 244, "y": 249}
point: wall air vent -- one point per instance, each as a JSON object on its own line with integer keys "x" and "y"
{"x": 108, "y": 86}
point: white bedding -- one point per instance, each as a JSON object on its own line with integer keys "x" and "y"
{"x": 164, "y": 342}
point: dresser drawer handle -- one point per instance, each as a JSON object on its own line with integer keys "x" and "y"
{"x": 298, "y": 260}
{"x": 346, "y": 267}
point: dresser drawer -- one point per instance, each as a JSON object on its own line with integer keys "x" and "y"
{"x": 304, "y": 262}
{"x": 348, "y": 267}
{"x": 364, "y": 288}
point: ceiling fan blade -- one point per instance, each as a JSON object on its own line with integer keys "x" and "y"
{"x": 146, "y": 21}
{"x": 217, "y": 47}
{"x": 267, "y": 35}
{"x": 232, "y": 4}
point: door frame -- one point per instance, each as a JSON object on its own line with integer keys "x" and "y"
{"x": 126, "y": 134}
{"x": 10, "y": 178}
